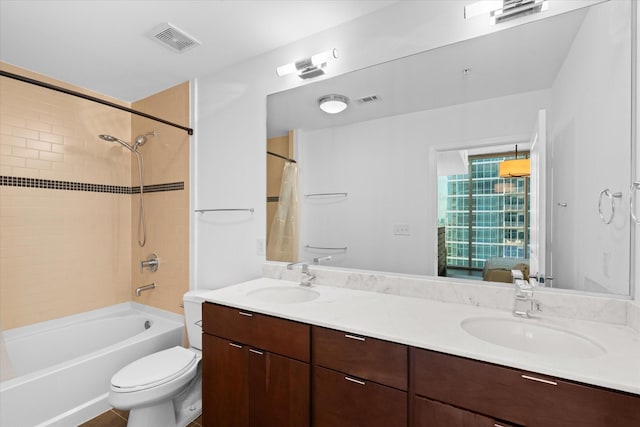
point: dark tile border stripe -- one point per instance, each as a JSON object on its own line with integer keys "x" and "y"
{"x": 15, "y": 181}
{"x": 172, "y": 186}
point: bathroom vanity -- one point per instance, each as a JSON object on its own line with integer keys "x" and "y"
{"x": 255, "y": 369}
{"x": 352, "y": 358}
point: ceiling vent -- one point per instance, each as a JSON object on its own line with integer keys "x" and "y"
{"x": 368, "y": 99}
{"x": 174, "y": 38}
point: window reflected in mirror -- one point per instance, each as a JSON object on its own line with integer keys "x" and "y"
{"x": 483, "y": 219}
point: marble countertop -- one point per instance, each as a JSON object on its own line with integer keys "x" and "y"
{"x": 435, "y": 325}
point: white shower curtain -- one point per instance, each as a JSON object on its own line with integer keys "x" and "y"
{"x": 283, "y": 238}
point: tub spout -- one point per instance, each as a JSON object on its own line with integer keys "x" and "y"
{"x": 144, "y": 288}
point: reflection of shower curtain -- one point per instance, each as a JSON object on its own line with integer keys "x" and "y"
{"x": 283, "y": 239}
{"x": 6, "y": 370}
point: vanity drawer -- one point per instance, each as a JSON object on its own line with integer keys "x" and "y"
{"x": 429, "y": 413}
{"x": 345, "y": 401}
{"x": 368, "y": 358}
{"x": 522, "y": 397}
{"x": 281, "y": 336}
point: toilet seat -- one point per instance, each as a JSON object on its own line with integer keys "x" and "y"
{"x": 154, "y": 370}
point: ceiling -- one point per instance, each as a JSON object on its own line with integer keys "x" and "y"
{"x": 519, "y": 59}
{"x": 105, "y": 46}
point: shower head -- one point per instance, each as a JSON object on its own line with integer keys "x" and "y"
{"x": 142, "y": 139}
{"x": 108, "y": 138}
{"x": 114, "y": 139}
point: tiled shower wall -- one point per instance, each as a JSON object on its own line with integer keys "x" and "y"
{"x": 66, "y": 246}
{"x": 166, "y": 160}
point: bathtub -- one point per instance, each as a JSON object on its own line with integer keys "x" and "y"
{"x": 61, "y": 369}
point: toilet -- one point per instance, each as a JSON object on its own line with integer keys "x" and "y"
{"x": 164, "y": 389}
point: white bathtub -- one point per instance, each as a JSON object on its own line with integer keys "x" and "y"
{"x": 63, "y": 367}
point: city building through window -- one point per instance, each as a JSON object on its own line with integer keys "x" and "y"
{"x": 484, "y": 216}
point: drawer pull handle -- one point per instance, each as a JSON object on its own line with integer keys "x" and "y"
{"x": 232, "y": 344}
{"x": 540, "y": 380}
{"x": 353, "y": 380}
{"x": 354, "y": 337}
{"x": 242, "y": 313}
{"x": 497, "y": 425}
{"x": 253, "y": 350}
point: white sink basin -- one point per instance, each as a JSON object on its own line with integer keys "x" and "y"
{"x": 283, "y": 294}
{"x": 527, "y": 335}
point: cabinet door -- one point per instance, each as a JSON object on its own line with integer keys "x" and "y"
{"x": 340, "y": 400}
{"x": 429, "y": 413}
{"x": 225, "y": 378}
{"x": 279, "y": 391}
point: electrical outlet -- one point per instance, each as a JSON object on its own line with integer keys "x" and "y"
{"x": 401, "y": 230}
{"x": 260, "y": 247}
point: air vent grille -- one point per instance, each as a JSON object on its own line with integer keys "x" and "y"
{"x": 174, "y": 38}
{"x": 368, "y": 99}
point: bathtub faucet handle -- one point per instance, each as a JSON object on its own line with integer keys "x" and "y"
{"x": 151, "y": 263}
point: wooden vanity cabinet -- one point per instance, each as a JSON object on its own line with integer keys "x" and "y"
{"x": 255, "y": 369}
{"x": 430, "y": 413}
{"x": 358, "y": 381}
{"x": 516, "y": 396}
{"x": 261, "y": 370}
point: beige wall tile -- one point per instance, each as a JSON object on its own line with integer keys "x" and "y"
{"x": 61, "y": 252}
{"x": 64, "y": 252}
{"x": 167, "y": 213}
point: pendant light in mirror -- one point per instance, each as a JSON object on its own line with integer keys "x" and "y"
{"x": 515, "y": 168}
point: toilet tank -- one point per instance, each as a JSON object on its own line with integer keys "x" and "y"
{"x": 193, "y": 316}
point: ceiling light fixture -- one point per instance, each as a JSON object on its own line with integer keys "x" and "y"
{"x": 517, "y": 8}
{"x": 515, "y": 168}
{"x": 309, "y": 67}
{"x": 504, "y": 10}
{"x": 333, "y": 104}
{"x": 482, "y": 7}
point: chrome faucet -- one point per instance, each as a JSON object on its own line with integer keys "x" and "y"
{"x": 307, "y": 277}
{"x": 523, "y": 302}
{"x": 151, "y": 263}
{"x": 144, "y": 288}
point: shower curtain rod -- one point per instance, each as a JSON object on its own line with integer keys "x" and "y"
{"x": 281, "y": 157}
{"x": 92, "y": 98}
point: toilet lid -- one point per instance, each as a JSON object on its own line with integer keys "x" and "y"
{"x": 155, "y": 369}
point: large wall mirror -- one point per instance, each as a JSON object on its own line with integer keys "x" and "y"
{"x": 407, "y": 178}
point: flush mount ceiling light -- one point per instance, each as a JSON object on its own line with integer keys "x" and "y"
{"x": 309, "y": 67}
{"x": 504, "y": 10}
{"x": 515, "y": 168}
{"x": 333, "y": 104}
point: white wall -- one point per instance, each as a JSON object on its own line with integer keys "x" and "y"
{"x": 384, "y": 166}
{"x": 230, "y": 122}
{"x": 591, "y": 145}
{"x": 636, "y": 263}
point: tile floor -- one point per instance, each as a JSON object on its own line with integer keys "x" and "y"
{"x": 117, "y": 418}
